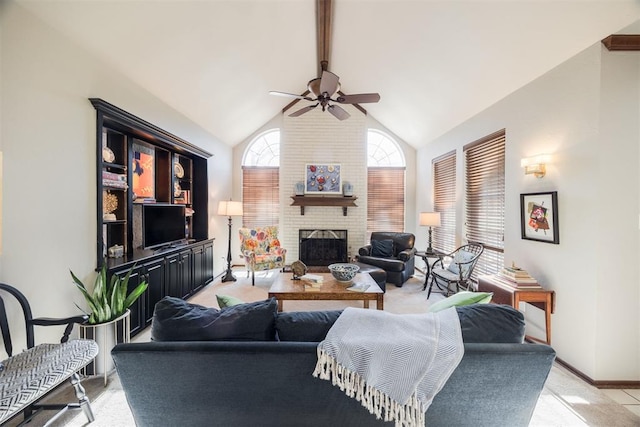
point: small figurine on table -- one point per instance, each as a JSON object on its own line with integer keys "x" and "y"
{"x": 299, "y": 269}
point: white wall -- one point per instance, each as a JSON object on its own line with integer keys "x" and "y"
{"x": 585, "y": 114}
{"x": 48, "y": 136}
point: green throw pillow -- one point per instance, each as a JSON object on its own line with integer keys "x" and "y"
{"x": 460, "y": 299}
{"x": 228, "y": 301}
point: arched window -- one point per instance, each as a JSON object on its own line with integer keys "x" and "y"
{"x": 385, "y": 183}
{"x": 260, "y": 180}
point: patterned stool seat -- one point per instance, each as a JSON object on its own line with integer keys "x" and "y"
{"x": 30, "y": 375}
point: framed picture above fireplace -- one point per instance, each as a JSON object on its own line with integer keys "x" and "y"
{"x": 323, "y": 178}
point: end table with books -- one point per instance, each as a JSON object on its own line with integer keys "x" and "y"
{"x": 506, "y": 291}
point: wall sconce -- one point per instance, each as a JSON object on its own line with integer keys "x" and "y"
{"x": 535, "y": 165}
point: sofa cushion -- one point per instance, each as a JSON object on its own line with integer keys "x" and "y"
{"x": 228, "y": 301}
{"x": 177, "y": 320}
{"x": 305, "y": 326}
{"x": 461, "y": 298}
{"x": 491, "y": 323}
{"x": 382, "y": 248}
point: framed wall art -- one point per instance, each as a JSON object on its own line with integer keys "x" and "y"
{"x": 539, "y": 217}
{"x": 323, "y": 178}
{"x": 143, "y": 171}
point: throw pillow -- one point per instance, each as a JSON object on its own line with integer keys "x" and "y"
{"x": 382, "y": 248}
{"x": 460, "y": 257}
{"x": 491, "y": 323}
{"x": 177, "y": 320}
{"x": 460, "y": 299}
{"x": 228, "y": 301}
{"x": 305, "y": 326}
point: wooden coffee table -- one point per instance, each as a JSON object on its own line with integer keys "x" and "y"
{"x": 285, "y": 288}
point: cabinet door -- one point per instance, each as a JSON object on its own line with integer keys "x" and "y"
{"x": 186, "y": 272}
{"x": 138, "y": 308}
{"x": 207, "y": 266}
{"x": 198, "y": 268}
{"x": 173, "y": 276}
{"x": 155, "y": 276}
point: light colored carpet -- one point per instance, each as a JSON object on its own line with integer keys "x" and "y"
{"x": 566, "y": 401}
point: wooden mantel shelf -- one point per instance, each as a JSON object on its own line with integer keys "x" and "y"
{"x": 340, "y": 201}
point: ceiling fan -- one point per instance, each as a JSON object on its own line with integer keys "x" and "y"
{"x": 325, "y": 90}
{"x": 322, "y": 89}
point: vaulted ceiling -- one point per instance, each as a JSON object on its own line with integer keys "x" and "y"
{"x": 434, "y": 63}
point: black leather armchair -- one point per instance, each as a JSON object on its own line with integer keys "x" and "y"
{"x": 393, "y": 252}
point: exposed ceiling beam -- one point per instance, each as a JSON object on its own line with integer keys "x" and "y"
{"x": 323, "y": 14}
{"x": 622, "y": 42}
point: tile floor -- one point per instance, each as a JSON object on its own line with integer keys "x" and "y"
{"x": 629, "y": 398}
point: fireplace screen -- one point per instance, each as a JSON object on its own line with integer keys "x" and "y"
{"x": 322, "y": 247}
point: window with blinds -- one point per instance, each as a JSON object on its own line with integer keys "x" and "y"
{"x": 260, "y": 196}
{"x": 484, "y": 199}
{"x": 444, "y": 201}
{"x": 385, "y": 199}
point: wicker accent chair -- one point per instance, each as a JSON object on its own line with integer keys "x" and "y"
{"x": 461, "y": 263}
{"x": 261, "y": 250}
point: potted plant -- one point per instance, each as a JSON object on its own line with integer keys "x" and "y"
{"x": 109, "y": 304}
{"x": 109, "y": 299}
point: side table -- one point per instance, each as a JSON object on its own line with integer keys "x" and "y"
{"x": 425, "y": 255}
{"x": 506, "y": 294}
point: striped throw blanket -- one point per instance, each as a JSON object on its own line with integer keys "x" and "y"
{"x": 394, "y": 364}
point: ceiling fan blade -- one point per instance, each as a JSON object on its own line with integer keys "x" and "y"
{"x": 329, "y": 83}
{"x": 303, "y": 110}
{"x": 289, "y": 95}
{"x": 359, "y": 98}
{"x": 339, "y": 112}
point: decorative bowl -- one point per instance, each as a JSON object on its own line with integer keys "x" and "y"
{"x": 343, "y": 271}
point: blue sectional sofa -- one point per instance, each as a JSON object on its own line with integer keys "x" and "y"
{"x": 244, "y": 380}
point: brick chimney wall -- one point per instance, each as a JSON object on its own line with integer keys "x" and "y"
{"x": 318, "y": 137}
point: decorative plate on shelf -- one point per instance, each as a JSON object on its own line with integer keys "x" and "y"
{"x": 107, "y": 155}
{"x": 177, "y": 190}
{"x": 178, "y": 170}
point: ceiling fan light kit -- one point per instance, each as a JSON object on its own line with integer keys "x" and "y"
{"x": 322, "y": 89}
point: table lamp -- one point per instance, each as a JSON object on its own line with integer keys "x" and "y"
{"x": 229, "y": 208}
{"x": 430, "y": 219}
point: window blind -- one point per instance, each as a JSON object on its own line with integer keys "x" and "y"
{"x": 260, "y": 196}
{"x": 385, "y": 199}
{"x": 484, "y": 199}
{"x": 444, "y": 201}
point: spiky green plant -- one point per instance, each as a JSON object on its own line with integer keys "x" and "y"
{"x": 109, "y": 299}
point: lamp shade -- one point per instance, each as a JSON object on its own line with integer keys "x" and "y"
{"x": 431, "y": 219}
{"x": 229, "y": 208}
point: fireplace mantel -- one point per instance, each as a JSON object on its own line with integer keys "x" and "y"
{"x": 340, "y": 201}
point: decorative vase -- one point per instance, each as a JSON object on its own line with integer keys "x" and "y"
{"x": 107, "y": 335}
{"x": 299, "y": 188}
{"x": 347, "y": 189}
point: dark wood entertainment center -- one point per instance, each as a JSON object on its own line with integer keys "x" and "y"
{"x": 176, "y": 174}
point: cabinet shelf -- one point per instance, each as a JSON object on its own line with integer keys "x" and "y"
{"x": 339, "y": 201}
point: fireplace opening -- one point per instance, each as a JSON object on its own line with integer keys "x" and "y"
{"x": 319, "y": 248}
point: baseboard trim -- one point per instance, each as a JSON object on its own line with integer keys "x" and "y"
{"x": 598, "y": 384}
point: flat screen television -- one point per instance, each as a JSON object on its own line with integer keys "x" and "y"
{"x": 162, "y": 224}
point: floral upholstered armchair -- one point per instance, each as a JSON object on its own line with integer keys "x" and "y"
{"x": 261, "y": 249}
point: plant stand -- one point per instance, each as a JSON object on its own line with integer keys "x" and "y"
{"x": 107, "y": 335}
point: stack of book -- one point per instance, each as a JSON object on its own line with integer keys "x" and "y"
{"x": 313, "y": 280}
{"x": 115, "y": 180}
{"x": 518, "y": 277}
